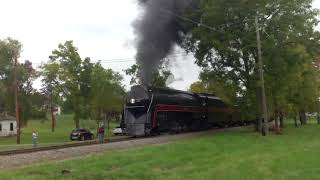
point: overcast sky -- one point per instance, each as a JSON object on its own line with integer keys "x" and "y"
{"x": 101, "y": 29}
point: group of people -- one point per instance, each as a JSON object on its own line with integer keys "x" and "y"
{"x": 100, "y": 135}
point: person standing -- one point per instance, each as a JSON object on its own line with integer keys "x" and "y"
{"x": 102, "y": 135}
{"x": 34, "y": 138}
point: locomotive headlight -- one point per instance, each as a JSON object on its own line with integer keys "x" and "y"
{"x": 132, "y": 101}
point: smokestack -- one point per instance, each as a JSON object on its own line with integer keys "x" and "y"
{"x": 157, "y": 31}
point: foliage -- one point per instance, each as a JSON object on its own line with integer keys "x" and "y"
{"x": 30, "y": 105}
{"x": 228, "y": 55}
{"x": 50, "y": 81}
{"x": 212, "y": 84}
{"x": 9, "y": 50}
{"x": 159, "y": 77}
{"x": 31, "y": 101}
{"x": 107, "y": 92}
{"x": 87, "y": 88}
{"x": 72, "y": 74}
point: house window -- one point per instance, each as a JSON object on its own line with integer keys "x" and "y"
{"x": 0, "y": 127}
{"x": 11, "y": 126}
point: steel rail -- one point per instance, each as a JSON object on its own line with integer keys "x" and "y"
{"x": 62, "y": 146}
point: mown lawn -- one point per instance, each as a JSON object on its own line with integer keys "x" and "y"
{"x": 230, "y": 155}
{"x": 64, "y": 125}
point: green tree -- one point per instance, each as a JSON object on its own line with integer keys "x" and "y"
{"x": 210, "y": 83}
{"x": 228, "y": 50}
{"x": 29, "y": 106}
{"x": 51, "y": 87}
{"x": 107, "y": 92}
{"x": 9, "y": 49}
{"x": 159, "y": 79}
{"x": 74, "y": 78}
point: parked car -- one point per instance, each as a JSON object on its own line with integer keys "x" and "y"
{"x": 118, "y": 131}
{"x": 81, "y": 135}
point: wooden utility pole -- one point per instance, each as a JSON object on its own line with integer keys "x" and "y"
{"x": 16, "y": 93}
{"x": 265, "y": 127}
{"x": 53, "y": 120}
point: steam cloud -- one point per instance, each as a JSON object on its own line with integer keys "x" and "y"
{"x": 157, "y": 30}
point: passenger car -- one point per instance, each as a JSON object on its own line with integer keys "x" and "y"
{"x": 81, "y": 135}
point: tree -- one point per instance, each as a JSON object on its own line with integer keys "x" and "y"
{"x": 29, "y": 106}
{"x": 73, "y": 77}
{"x": 9, "y": 49}
{"x": 29, "y": 99}
{"x": 228, "y": 50}
{"x": 159, "y": 77}
{"x": 51, "y": 87}
{"x": 107, "y": 92}
{"x": 209, "y": 83}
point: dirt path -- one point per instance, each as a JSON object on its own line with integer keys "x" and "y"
{"x": 22, "y": 160}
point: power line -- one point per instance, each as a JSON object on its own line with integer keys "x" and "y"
{"x": 125, "y": 60}
{"x": 189, "y": 20}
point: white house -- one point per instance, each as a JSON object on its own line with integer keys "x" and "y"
{"x": 8, "y": 125}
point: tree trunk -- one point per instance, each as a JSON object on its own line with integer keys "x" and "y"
{"x": 300, "y": 118}
{"x": 295, "y": 120}
{"x": 276, "y": 119}
{"x": 77, "y": 121}
{"x": 53, "y": 120}
{"x": 259, "y": 112}
{"x": 256, "y": 125}
{"x": 303, "y": 117}
{"x": 105, "y": 119}
{"x": 281, "y": 120}
{"x": 318, "y": 113}
{"x": 108, "y": 129}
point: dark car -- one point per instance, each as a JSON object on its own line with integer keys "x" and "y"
{"x": 81, "y": 135}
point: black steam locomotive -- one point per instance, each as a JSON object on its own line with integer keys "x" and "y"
{"x": 150, "y": 110}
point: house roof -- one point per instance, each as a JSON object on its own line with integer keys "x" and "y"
{"x": 5, "y": 117}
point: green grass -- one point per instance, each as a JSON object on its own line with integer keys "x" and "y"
{"x": 64, "y": 125}
{"x": 230, "y": 155}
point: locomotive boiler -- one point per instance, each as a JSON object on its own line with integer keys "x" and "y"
{"x": 150, "y": 110}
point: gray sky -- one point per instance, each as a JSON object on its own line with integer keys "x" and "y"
{"x": 101, "y": 29}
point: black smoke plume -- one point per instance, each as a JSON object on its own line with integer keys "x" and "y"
{"x": 157, "y": 31}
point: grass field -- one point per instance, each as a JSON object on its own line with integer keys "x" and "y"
{"x": 230, "y": 155}
{"x": 64, "y": 125}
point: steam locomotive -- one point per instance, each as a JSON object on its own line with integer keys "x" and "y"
{"x": 151, "y": 110}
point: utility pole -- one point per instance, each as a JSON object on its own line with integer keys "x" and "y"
{"x": 265, "y": 127}
{"x": 16, "y": 93}
{"x": 52, "y": 111}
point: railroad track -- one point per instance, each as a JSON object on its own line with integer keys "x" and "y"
{"x": 88, "y": 143}
{"x": 26, "y": 157}
{"x": 62, "y": 146}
